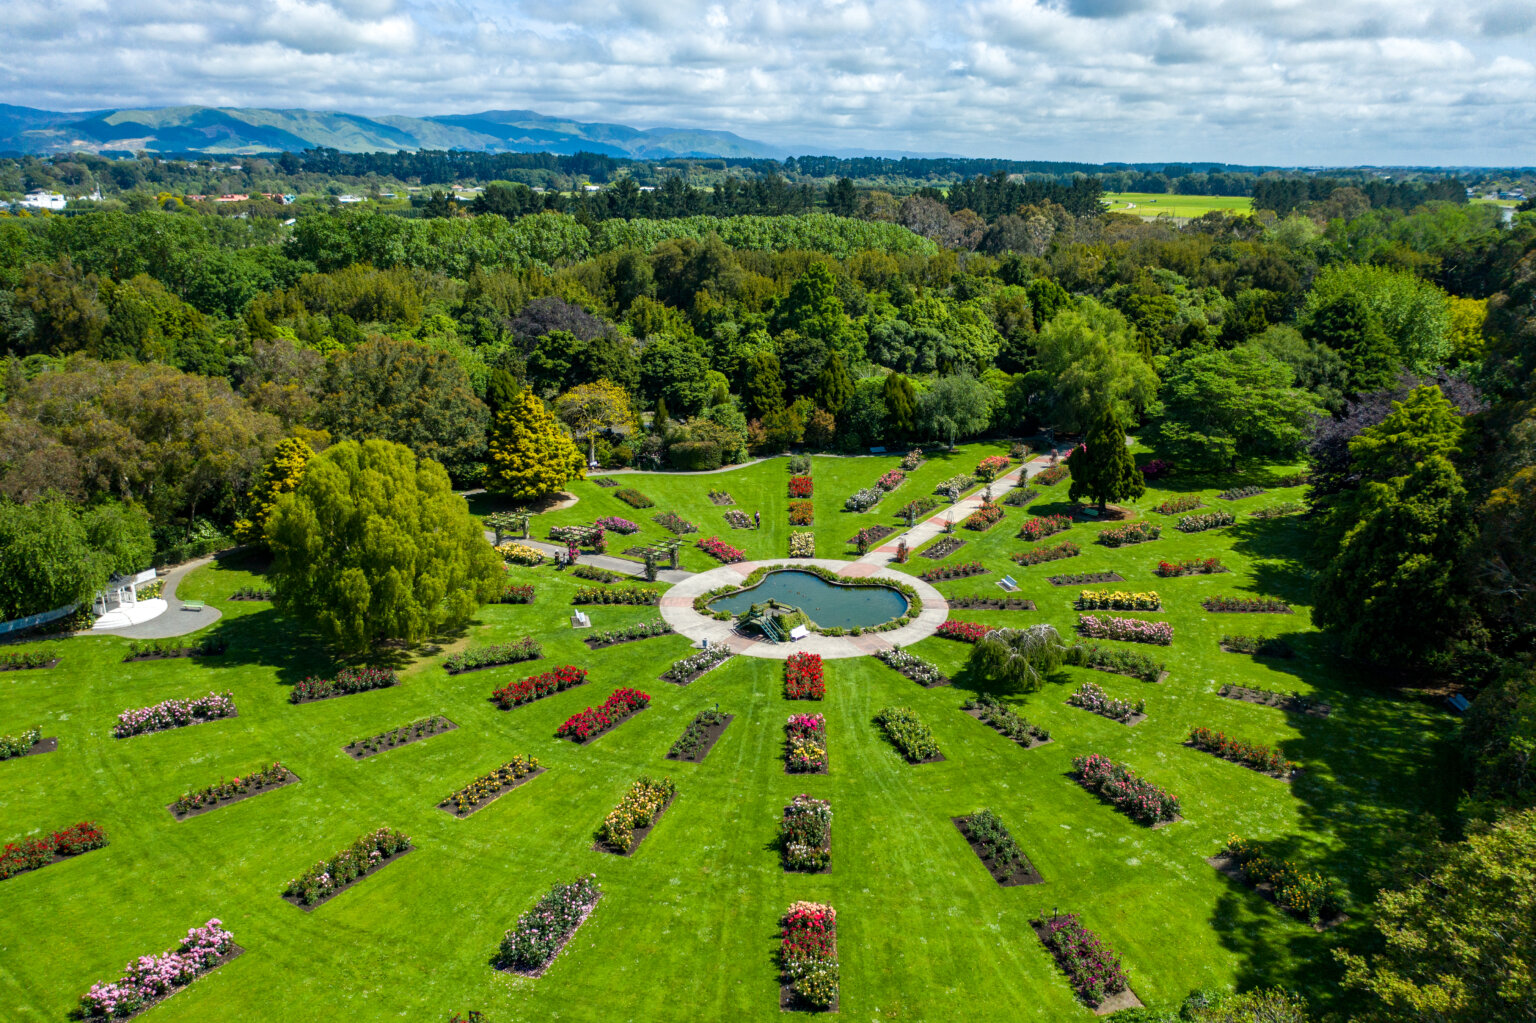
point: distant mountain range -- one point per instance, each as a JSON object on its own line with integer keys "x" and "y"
{"x": 234, "y": 131}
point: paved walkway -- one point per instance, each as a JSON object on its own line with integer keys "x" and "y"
{"x": 677, "y": 609}
{"x": 176, "y": 621}
{"x": 612, "y": 564}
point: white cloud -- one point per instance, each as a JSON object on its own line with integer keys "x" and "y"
{"x": 1261, "y": 81}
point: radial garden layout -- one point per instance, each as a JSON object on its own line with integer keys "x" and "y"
{"x": 914, "y": 839}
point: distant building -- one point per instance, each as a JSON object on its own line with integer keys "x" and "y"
{"x": 232, "y": 197}
{"x": 350, "y": 198}
{"x": 647, "y": 188}
{"x": 38, "y": 199}
{"x": 591, "y": 188}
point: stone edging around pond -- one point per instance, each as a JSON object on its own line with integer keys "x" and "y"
{"x": 677, "y": 609}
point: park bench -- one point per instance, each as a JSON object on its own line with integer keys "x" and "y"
{"x": 192, "y": 605}
{"x": 1007, "y": 582}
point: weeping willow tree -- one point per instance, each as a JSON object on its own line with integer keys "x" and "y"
{"x": 1019, "y": 658}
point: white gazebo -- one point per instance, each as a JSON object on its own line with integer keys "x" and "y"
{"x": 118, "y": 603}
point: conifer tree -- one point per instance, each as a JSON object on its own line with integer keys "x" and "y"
{"x": 833, "y": 388}
{"x": 531, "y": 456}
{"x": 900, "y": 404}
{"x": 1102, "y": 469}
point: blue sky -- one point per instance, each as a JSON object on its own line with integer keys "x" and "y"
{"x": 1260, "y": 81}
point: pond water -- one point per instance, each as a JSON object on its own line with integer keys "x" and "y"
{"x": 826, "y": 604}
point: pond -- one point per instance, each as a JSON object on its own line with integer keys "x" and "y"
{"x": 826, "y": 604}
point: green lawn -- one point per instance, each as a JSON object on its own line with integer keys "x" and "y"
{"x": 1150, "y": 204}
{"x": 687, "y": 927}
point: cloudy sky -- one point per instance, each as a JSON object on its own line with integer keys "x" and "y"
{"x": 1260, "y": 81}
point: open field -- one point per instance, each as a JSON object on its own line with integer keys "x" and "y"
{"x": 1148, "y": 204}
{"x": 687, "y": 927}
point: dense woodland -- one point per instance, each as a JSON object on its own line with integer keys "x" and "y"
{"x": 168, "y": 370}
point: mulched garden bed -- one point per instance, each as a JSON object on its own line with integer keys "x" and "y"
{"x": 942, "y": 548}
{"x": 589, "y": 740}
{"x": 1085, "y": 579}
{"x": 357, "y": 752}
{"x": 1114, "y": 1003}
{"x": 1130, "y": 722}
{"x": 447, "y": 805}
{"x": 243, "y": 596}
{"x": 41, "y": 746}
{"x": 605, "y": 481}
{"x": 168, "y": 655}
{"x": 58, "y": 857}
{"x": 487, "y": 667}
{"x": 293, "y": 900}
{"x": 1289, "y": 777}
{"x": 1024, "y": 873}
{"x": 991, "y": 603}
{"x": 639, "y": 833}
{"x": 824, "y": 769}
{"x": 876, "y": 533}
{"x": 711, "y": 736}
{"x": 1101, "y": 797}
{"x": 1032, "y": 744}
{"x": 696, "y": 675}
{"x": 1228, "y": 866}
{"x": 721, "y": 500}
{"x": 234, "y": 952}
{"x": 791, "y": 1002}
{"x": 1269, "y": 698}
{"x": 289, "y": 778}
{"x": 355, "y": 692}
{"x": 535, "y": 974}
{"x": 594, "y": 645}
{"x": 1113, "y": 513}
{"x": 1018, "y": 497}
{"x": 30, "y": 667}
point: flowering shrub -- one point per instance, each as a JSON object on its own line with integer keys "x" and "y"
{"x": 1117, "y": 600}
{"x": 802, "y": 545}
{"x": 691, "y": 667}
{"x": 1175, "y": 505}
{"x": 346, "y": 682}
{"x": 489, "y": 786}
{"x": 13, "y": 660}
{"x": 991, "y": 467}
{"x": 1119, "y": 662}
{"x": 917, "y": 508}
{"x": 1130, "y": 793}
{"x": 722, "y": 551}
{"x": 801, "y": 513}
{"x": 738, "y": 519}
{"x": 863, "y": 500}
{"x": 521, "y": 554}
{"x": 1249, "y": 754}
{"x": 156, "y": 648}
{"x": 1092, "y": 968}
{"x": 579, "y": 535}
{"x": 1040, "y": 555}
{"x": 808, "y": 952}
{"x": 991, "y": 711}
{"x": 1265, "y": 605}
{"x": 960, "y": 571}
{"x": 801, "y": 486}
{"x": 805, "y": 744}
{"x": 1209, "y": 520}
{"x": 148, "y": 979}
{"x": 32, "y": 853}
{"x": 1257, "y": 645}
{"x": 966, "y": 632}
{"x": 913, "y": 667}
{"x": 251, "y": 781}
{"x": 1131, "y": 630}
{"x": 691, "y": 742}
{"x": 1131, "y": 532}
{"x": 891, "y": 480}
{"x": 1040, "y": 528}
{"x": 626, "y": 595}
{"x": 1092, "y": 697}
{"x": 908, "y": 733}
{"x": 639, "y": 808}
{"x": 173, "y": 714}
{"x": 720, "y": 498}
{"x": 674, "y": 523}
{"x": 16, "y": 745}
{"x": 614, "y": 524}
{"x": 803, "y": 678}
{"x": 1307, "y": 894}
{"x": 956, "y": 485}
{"x": 912, "y": 459}
{"x": 988, "y": 515}
{"x": 805, "y": 834}
{"x": 1276, "y": 511}
{"x": 543, "y": 930}
{"x": 536, "y": 687}
{"x": 1078, "y": 579}
{"x": 1196, "y": 566}
{"x": 1156, "y": 469}
{"x": 633, "y": 498}
{"x": 867, "y": 537}
{"x": 328, "y": 877}
{"x": 1018, "y": 497}
{"x": 1238, "y": 493}
{"x": 525, "y": 649}
{"x": 511, "y": 594}
{"x": 626, "y": 633}
{"x": 590, "y": 723}
{"x": 1052, "y": 476}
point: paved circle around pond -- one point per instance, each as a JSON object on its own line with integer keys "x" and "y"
{"x": 677, "y": 609}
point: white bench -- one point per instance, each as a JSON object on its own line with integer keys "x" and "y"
{"x": 798, "y": 632}
{"x": 1007, "y": 582}
{"x": 579, "y": 620}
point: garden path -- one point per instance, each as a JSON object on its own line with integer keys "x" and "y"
{"x": 612, "y": 564}
{"x": 176, "y": 621}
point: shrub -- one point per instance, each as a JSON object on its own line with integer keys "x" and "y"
{"x": 536, "y": 687}
{"x": 891, "y": 480}
{"x": 148, "y": 979}
{"x": 1040, "y": 528}
{"x": 1131, "y": 532}
{"x": 328, "y": 877}
{"x": 1257, "y": 645}
{"x": 802, "y": 545}
{"x": 1157, "y": 469}
{"x": 801, "y": 513}
{"x": 1275, "y": 511}
{"x": 674, "y": 523}
{"x": 614, "y": 524}
{"x": 251, "y": 781}
{"x": 738, "y": 519}
{"x": 694, "y": 455}
{"x": 991, "y": 467}
{"x": 1005, "y": 719}
{"x": 800, "y": 465}
{"x": 988, "y": 515}
{"x": 805, "y": 744}
{"x": 488, "y": 786}
{"x": 956, "y": 485}
{"x": 546, "y": 927}
{"x": 1092, "y": 968}
{"x": 1307, "y": 894}
{"x": 12, "y": 659}
{"x": 173, "y": 714}
{"x": 632, "y": 631}
{"x": 17, "y": 745}
{"x": 801, "y": 486}
{"x": 944, "y": 572}
{"x": 684, "y": 671}
{"x": 1117, "y": 600}
{"x": 1018, "y": 497}
{"x": 863, "y": 500}
{"x": 525, "y": 649}
{"x": 512, "y": 594}
{"x": 1092, "y": 697}
{"x": 633, "y": 498}
{"x": 1249, "y": 754}
{"x": 1130, "y": 630}
{"x": 1239, "y": 493}
{"x": 1040, "y": 555}
{"x": 1197, "y": 566}
{"x": 1200, "y": 523}
{"x": 32, "y": 853}
{"x": 520, "y": 554}
{"x": 618, "y": 595}
{"x": 1116, "y": 661}
{"x": 1130, "y": 793}
{"x": 803, "y": 677}
{"x": 1175, "y": 505}
{"x": 590, "y": 723}
{"x": 808, "y": 953}
{"x": 1052, "y": 476}
{"x": 722, "y": 551}
{"x": 912, "y": 459}
{"x": 912, "y": 666}
{"x": 966, "y": 632}
{"x": 639, "y": 808}
{"x": 596, "y": 574}
{"x": 1265, "y": 605}
{"x": 918, "y": 507}
{"x": 805, "y": 834}
{"x": 908, "y": 733}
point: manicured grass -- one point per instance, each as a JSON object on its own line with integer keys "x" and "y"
{"x": 689, "y": 924}
{"x": 1149, "y": 204}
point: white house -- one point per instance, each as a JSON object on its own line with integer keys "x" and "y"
{"x": 41, "y": 200}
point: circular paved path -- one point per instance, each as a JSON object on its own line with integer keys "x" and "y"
{"x": 677, "y": 609}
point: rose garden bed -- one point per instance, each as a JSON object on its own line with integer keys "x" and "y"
{"x": 29, "y": 743}
{"x": 805, "y": 836}
{"x": 805, "y": 744}
{"x": 636, "y": 816}
{"x": 913, "y": 667}
{"x": 363, "y": 858}
{"x": 991, "y": 604}
{"x": 150, "y": 980}
{"x": 488, "y": 788}
{"x": 693, "y": 666}
{"x": 591, "y": 724}
{"x": 174, "y": 714}
{"x": 627, "y": 634}
{"x": 1304, "y": 894}
{"x": 1085, "y": 578}
{"x": 808, "y": 977}
{"x": 1055, "y": 552}
{"x": 700, "y": 736}
{"x": 542, "y": 933}
{"x": 1246, "y": 605}
{"x": 165, "y": 649}
{"x": 911, "y": 737}
{"x": 35, "y": 853}
{"x": 29, "y": 660}
{"x": 1091, "y": 697}
{"x": 993, "y": 844}
{"x": 416, "y": 731}
{"x": 240, "y": 787}
{"x": 941, "y": 547}
{"x": 991, "y": 712}
{"x": 536, "y": 687}
{"x": 1248, "y": 754}
{"x": 347, "y": 682}
{"x": 1091, "y": 967}
{"x": 1294, "y": 702}
{"x": 1126, "y": 790}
